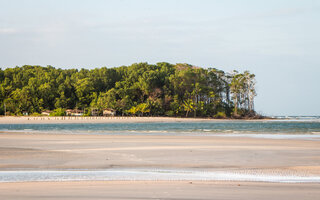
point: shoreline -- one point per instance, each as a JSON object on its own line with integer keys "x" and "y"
{"x": 275, "y": 175}
{"x": 117, "y": 119}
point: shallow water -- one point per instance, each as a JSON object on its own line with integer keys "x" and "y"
{"x": 274, "y": 129}
{"x": 153, "y": 175}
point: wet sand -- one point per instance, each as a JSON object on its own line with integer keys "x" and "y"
{"x": 57, "y": 151}
{"x": 26, "y": 151}
{"x": 158, "y": 190}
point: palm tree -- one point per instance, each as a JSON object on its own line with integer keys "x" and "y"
{"x": 188, "y": 106}
{"x": 143, "y": 108}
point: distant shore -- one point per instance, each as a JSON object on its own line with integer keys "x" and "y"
{"x": 92, "y": 119}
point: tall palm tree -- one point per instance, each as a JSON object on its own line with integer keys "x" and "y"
{"x": 188, "y": 106}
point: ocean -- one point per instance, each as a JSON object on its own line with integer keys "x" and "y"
{"x": 300, "y": 128}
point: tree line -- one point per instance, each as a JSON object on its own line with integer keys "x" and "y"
{"x": 161, "y": 89}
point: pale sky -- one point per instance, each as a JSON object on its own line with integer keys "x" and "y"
{"x": 278, "y": 40}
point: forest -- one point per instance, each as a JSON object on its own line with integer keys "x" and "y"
{"x": 142, "y": 89}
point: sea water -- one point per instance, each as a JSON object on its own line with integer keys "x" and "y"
{"x": 273, "y": 129}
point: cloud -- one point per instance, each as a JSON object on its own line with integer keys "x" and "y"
{"x": 8, "y": 31}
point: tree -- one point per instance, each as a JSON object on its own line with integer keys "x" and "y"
{"x": 143, "y": 108}
{"x": 141, "y": 88}
{"x": 188, "y": 106}
{"x": 84, "y": 89}
{"x": 133, "y": 110}
{"x": 236, "y": 89}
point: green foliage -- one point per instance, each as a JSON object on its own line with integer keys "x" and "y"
{"x": 140, "y": 89}
{"x": 143, "y": 108}
{"x": 220, "y": 115}
{"x": 133, "y": 110}
{"x": 35, "y": 114}
{"x": 188, "y": 106}
{"x": 170, "y": 113}
{"x": 58, "y": 112}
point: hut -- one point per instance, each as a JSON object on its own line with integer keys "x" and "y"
{"x": 46, "y": 112}
{"x": 74, "y": 112}
{"x": 95, "y": 112}
{"x": 109, "y": 112}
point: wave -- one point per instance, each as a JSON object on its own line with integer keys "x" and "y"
{"x": 155, "y": 175}
{"x": 224, "y": 133}
{"x": 297, "y": 118}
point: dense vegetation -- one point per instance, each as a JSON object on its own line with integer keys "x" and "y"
{"x": 140, "y": 89}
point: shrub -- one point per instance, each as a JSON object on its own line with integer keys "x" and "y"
{"x": 220, "y": 115}
{"x": 58, "y": 112}
{"x": 170, "y": 113}
{"x": 35, "y": 114}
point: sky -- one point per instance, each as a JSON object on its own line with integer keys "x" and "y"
{"x": 278, "y": 40}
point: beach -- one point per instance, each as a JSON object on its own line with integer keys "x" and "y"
{"x": 41, "y": 152}
{"x": 59, "y": 151}
{"x": 285, "y": 165}
{"x": 98, "y": 119}
{"x": 120, "y": 190}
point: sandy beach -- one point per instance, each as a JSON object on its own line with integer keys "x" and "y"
{"x": 58, "y": 151}
{"x": 120, "y": 190}
{"x": 118, "y": 119}
{"x": 36, "y": 151}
